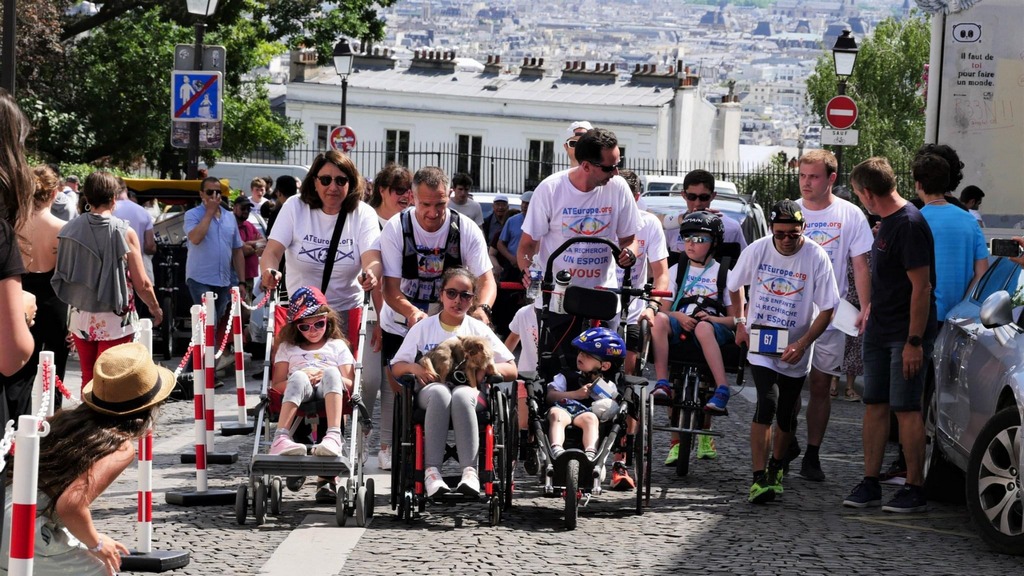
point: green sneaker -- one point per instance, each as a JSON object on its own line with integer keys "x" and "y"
{"x": 673, "y": 455}
{"x": 706, "y": 448}
{"x": 775, "y": 477}
{"x": 761, "y": 491}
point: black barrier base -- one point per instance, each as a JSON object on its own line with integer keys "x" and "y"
{"x": 155, "y": 561}
{"x": 211, "y": 458}
{"x": 236, "y": 429}
{"x": 208, "y": 498}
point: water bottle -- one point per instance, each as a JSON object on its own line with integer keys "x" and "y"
{"x": 558, "y": 295}
{"x": 536, "y": 277}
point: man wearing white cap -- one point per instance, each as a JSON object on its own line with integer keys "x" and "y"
{"x": 576, "y": 129}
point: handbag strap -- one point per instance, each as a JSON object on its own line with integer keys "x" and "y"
{"x": 332, "y": 249}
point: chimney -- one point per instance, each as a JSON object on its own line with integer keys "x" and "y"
{"x": 375, "y": 58}
{"x": 493, "y": 66}
{"x": 433, "y": 61}
{"x": 532, "y": 68}
{"x": 603, "y": 73}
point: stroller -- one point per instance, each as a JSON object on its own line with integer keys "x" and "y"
{"x": 354, "y": 493}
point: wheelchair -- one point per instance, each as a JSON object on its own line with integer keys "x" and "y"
{"x": 497, "y": 421}
{"x": 572, "y": 475}
{"x": 265, "y": 484}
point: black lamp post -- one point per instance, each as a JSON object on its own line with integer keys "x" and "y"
{"x": 9, "y": 45}
{"x": 343, "y": 57}
{"x": 202, "y": 9}
{"x": 844, "y": 56}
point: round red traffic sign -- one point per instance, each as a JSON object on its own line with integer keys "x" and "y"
{"x": 343, "y": 138}
{"x": 841, "y": 112}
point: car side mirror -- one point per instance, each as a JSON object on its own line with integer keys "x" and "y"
{"x": 996, "y": 310}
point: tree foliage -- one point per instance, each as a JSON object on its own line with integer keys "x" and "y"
{"x": 886, "y": 85}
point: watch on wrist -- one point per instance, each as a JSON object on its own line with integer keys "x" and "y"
{"x": 740, "y": 320}
{"x": 914, "y": 341}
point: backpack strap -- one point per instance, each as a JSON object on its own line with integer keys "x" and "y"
{"x": 681, "y": 270}
{"x": 723, "y": 271}
{"x": 410, "y": 267}
{"x": 332, "y": 250}
{"x": 453, "y": 244}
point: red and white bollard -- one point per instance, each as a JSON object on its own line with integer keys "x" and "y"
{"x": 202, "y": 495}
{"x": 26, "y": 481}
{"x": 45, "y": 384}
{"x": 207, "y": 386}
{"x": 243, "y": 426}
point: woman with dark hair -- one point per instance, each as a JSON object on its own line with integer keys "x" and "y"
{"x": 84, "y": 453}
{"x": 99, "y": 265}
{"x": 303, "y": 231}
{"x": 17, "y": 308}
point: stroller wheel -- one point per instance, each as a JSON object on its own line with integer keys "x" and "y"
{"x": 495, "y": 511}
{"x": 341, "y": 509}
{"x": 259, "y": 505}
{"x": 241, "y": 503}
{"x": 275, "y": 496}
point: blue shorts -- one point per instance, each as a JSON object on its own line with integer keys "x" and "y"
{"x": 223, "y": 293}
{"x": 722, "y": 334}
{"x": 883, "y": 376}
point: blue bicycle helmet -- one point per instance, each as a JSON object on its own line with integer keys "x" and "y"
{"x": 601, "y": 343}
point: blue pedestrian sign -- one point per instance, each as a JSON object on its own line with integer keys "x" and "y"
{"x": 196, "y": 96}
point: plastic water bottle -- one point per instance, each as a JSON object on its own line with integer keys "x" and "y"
{"x": 562, "y": 280}
{"x": 536, "y": 277}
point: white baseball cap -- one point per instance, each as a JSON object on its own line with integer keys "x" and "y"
{"x": 501, "y": 198}
{"x": 578, "y": 125}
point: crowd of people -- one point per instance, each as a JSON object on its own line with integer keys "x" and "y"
{"x": 421, "y": 248}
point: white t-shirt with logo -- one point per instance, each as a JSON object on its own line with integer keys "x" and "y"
{"x": 784, "y": 292}
{"x": 332, "y": 354}
{"x": 699, "y": 281}
{"x": 306, "y": 236}
{"x": 524, "y": 323}
{"x": 559, "y": 211}
{"x": 426, "y": 334}
{"x": 431, "y": 248}
{"x": 650, "y": 248}
{"x": 843, "y": 231}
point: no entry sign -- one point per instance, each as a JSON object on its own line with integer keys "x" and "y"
{"x": 841, "y": 112}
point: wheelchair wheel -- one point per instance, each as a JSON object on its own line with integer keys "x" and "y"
{"x": 259, "y": 504}
{"x": 641, "y": 447}
{"x": 511, "y": 452}
{"x": 494, "y": 510}
{"x": 241, "y": 503}
{"x": 396, "y": 451}
{"x": 572, "y": 487}
{"x": 499, "y": 457}
{"x": 691, "y": 418}
{"x": 276, "y": 486}
{"x": 650, "y": 450}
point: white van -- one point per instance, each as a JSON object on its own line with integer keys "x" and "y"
{"x": 240, "y": 174}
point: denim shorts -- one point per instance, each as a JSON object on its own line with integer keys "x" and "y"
{"x": 883, "y": 376}
{"x": 722, "y": 334}
{"x": 223, "y": 293}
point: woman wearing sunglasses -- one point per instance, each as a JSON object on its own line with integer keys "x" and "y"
{"x": 458, "y": 403}
{"x": 303, "y": 229}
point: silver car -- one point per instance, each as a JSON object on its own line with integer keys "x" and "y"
{"x": 973, "y": 405}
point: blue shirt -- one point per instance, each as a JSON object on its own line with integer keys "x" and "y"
{"x": 209, "y": 262}
{"x": 512, "y": 232}
{"x": 959, "y": 242}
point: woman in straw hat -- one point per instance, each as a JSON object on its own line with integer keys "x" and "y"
{"x": 84, "y": 453}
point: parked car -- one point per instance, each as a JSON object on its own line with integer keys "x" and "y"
{"x": 486, "y": 200}
{"x": 749, "y": 215}
{"x": 973, "y": 405}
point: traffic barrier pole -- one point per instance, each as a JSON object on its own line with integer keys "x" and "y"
{"x": 244, "y": 425}
{"x": 144, "y": 558}
{"x": 202, "y": 496}
{"x": 26, "y": 480}
{"x": 48, "y": 372}
{"x": 208, "y": 385}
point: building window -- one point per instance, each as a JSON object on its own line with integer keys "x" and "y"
{"x": 470, "y": 148}
{"x": 322, "y": 133}
{"x": 542, "y": 156}
{"x": 397, "y": 147}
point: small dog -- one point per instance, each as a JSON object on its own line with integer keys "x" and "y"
{"x": 470, "y": 355}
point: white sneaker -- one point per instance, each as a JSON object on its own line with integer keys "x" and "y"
{"x": 329, "y": 446}
{"x": 470, "y": 484}
{"x": 434, "y": 482}
{"x": 283, "y": 445}
{"x": 384, "y": 458}
{"x": 226, "y": 362}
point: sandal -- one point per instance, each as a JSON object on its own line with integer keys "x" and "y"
{"x": 851, "y": 395}
{"x": 833, "y": 389}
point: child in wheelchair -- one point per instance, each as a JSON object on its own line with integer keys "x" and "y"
{"x": 313, "y": 361}
{"x": 586, "y": 397}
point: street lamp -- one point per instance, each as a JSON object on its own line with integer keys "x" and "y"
{"x": 201, "y": 9}
{"x": 844, "y": 56}
{"x": 343, "y": 57}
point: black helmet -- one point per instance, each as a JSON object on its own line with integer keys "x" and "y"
{"x": 703, "y": 222}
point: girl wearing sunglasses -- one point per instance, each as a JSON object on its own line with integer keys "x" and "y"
{"x": 458, "y": 403}
{"x": 313, "y": 360}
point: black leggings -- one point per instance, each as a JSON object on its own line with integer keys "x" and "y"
{"x": 776, "y": 392}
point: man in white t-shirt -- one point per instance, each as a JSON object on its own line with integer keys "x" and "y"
{"x": 416, "y": 246}
{"x": 586, "y": 201}
{"x": 699, "y": 192}
{"x": 789, "y": 276}
{"x": 843, "y": 231}
{"x": 462, "y": 183}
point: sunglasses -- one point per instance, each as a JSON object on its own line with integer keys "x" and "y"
{"x": 318, "y": 325}
{"x": 212, "y": 191}
{"x": 326, "y": 180}
{"x": 784, "y": 235}
{"x": 605, "y": 169}
{"x": 695, "y": 197}
{"x": 696, "y": 239}
{"x": 400, "y": 191}
{"x": 571, "y": 143}
{"x": 452, "y": 294}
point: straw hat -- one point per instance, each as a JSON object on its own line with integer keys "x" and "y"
{"x": 126, "y": 381}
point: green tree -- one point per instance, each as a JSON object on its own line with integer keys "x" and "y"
{"x": 886, "y": 85}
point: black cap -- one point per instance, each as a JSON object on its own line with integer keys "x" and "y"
{"x": 786, "y": 212}
{"x": 242, "y": 200}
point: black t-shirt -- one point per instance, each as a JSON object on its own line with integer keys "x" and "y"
{"x": 10, "y": 257}
{"x": 904, "y": 242}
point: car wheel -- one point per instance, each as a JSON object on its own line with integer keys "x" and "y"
{"x": 993, "y": 483}
{"x": 943, "y": 481}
